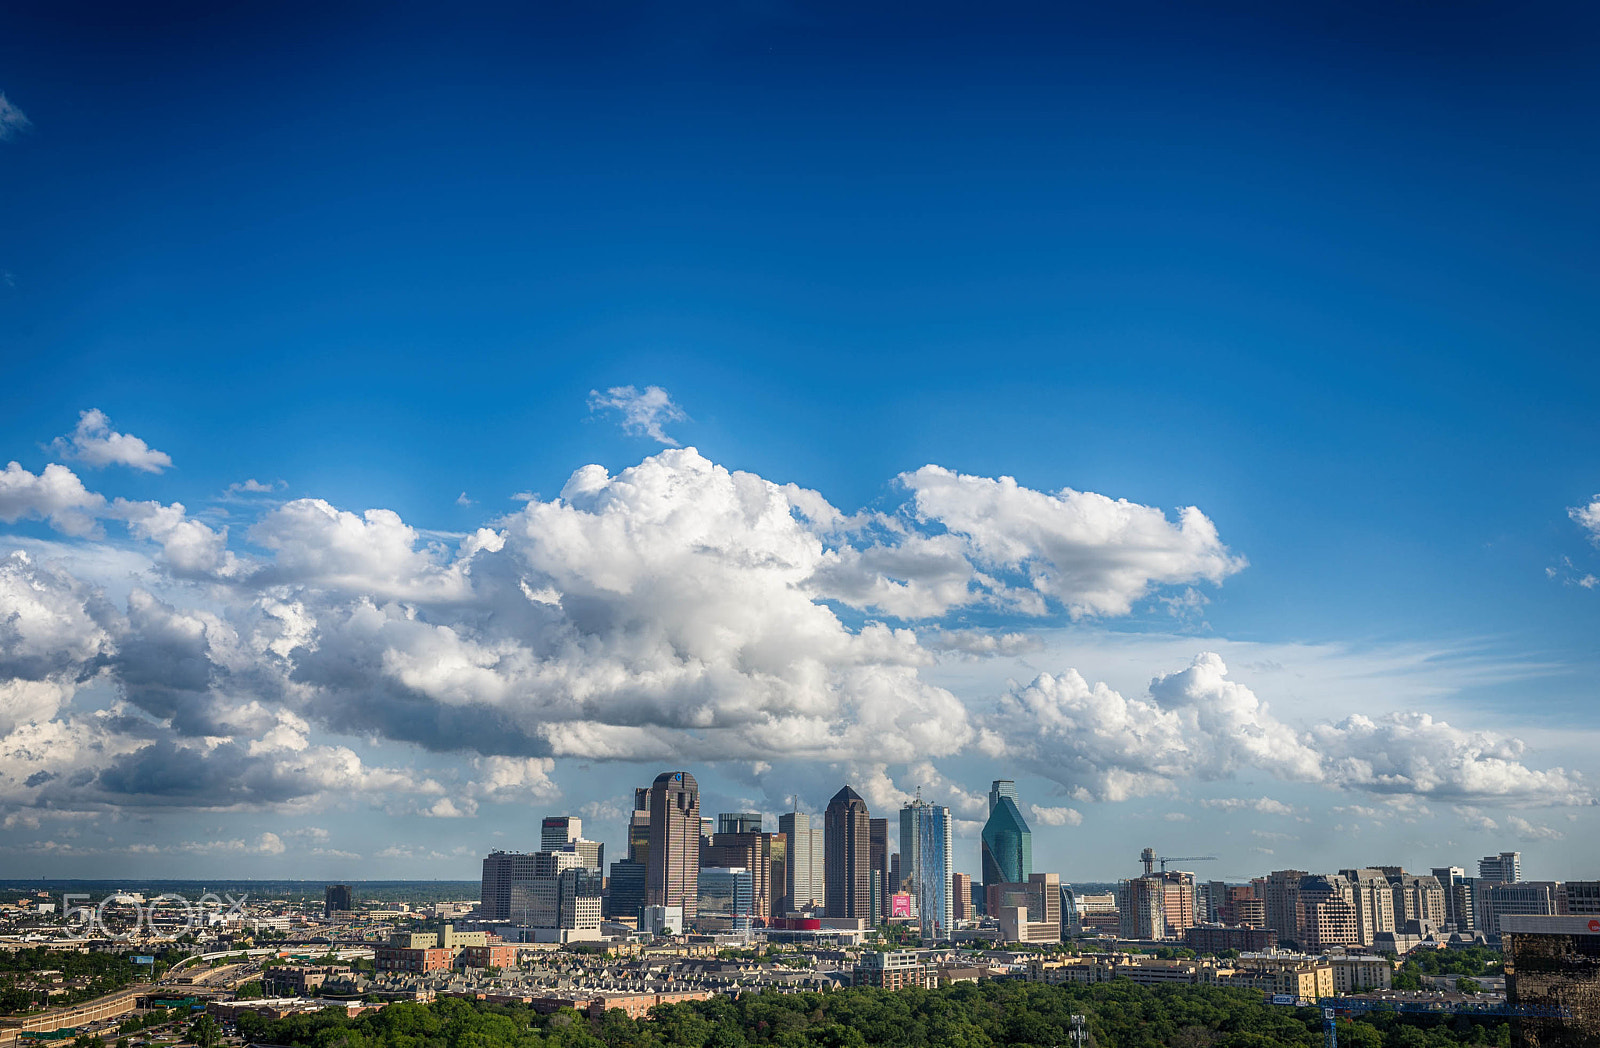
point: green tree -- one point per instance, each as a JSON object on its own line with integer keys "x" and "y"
{"x": 205, "y": 1032}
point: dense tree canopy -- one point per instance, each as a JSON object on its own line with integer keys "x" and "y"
{"x": 967, "y": 1015}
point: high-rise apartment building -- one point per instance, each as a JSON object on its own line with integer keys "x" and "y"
{"x": 673, "y": 870}
{"x": 1373, "y": 898}
{"x": 1328, "y": 913}
{"x": 739, "y": 822}
{"x": 1007, "y": 843}
{"x": 925, "y": 835}
{"x": 847, "y": 841}
{"x": 1505, "y": 868}
{"x": 1281, "y": 893}
{"x": 1418, "y": 899}
{"x": 961, "y": 908}
{"x": 806, "y": 853}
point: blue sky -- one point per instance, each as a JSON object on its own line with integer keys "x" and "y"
{"x": 1326, "y": 275}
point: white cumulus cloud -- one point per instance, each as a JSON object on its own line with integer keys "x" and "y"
{"x": 95, "y": 443}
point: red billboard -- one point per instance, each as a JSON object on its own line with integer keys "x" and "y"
{"x": 900, "y": 905}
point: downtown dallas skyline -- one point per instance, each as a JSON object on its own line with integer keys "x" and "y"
{"x": 418, "y": 421}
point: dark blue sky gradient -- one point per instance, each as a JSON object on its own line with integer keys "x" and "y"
{"x": 1326, "y": 271}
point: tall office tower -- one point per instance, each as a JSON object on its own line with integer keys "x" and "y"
{"x": 1007, "y": 843}
{"x": 1553, "y": 966}
{"x": 639, "y": 826}
{"x": 1458, "y": 908}
{"x": 626, "y": 896}
{"x": 879, "y": 849}
{"x": 780, "y": 874}
{"x": 337, "y": 897}
{"x": 927, "y": 829}
{"x": 897, "y": 877}
{"x": 561, "y": 901}
{"x": 1001, "y": 788}
{"x": 1505, "y": 868}
{"x": 847, "y": 840}
{"x": 961, "y": 896}
{"x": 751, "y": 851}
{"x": 593, "y": 853}
{"x": 1282, "y": 896}
{"x": 673, "y": 870}
{"x": 739, "y": 822}
{"x": 558, "y": 831}
{"x": 727, "y": 900}
{"x": 807, "y": 864}
{"x": 501, "y": 870}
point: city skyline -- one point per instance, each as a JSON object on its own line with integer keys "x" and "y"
{"x": 419, "y": 426}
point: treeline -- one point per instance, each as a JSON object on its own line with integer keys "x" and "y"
{"x": 998, "y": 1013}
{"x": 106, "y": 972}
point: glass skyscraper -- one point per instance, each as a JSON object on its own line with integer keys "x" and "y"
{"x": 1007, "y": 841}
{"x": 926, "y": 856}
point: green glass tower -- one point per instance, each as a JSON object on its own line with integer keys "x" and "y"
{"x": 1007, "y": 845}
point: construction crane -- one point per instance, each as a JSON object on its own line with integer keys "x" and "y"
{"x": 1150, "y": 858}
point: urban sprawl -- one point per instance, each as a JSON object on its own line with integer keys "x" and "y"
{"x": 703, "y": 906}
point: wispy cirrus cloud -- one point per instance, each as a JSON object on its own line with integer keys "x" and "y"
{"x": 644, "y": 412}
{"x": 13, "y": 121}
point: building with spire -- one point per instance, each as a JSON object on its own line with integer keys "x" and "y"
{"x": 847, "y": 846}
{"x": 926, "y": 851}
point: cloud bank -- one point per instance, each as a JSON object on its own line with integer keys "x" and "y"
{"x": 677, "y": 611}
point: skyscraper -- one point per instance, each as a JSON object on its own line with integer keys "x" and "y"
{"x": 558, "y": 831}
{"x": 739, "y": 822}
{"x": 1001, "y": 788}
{"x": 751, "y": 851}
{"x": 672, "y": 874}
{"x": 1007, "y": 842}
{"x": 879, "y": 859}
{"x": 806, "y": 860}
{"x": 847, "y": 836}
{"x": 500, "y": 871}
{"x": 337, "y": 897}
{"x": 639, "y": 826}
{"x": 927, "y": 829}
